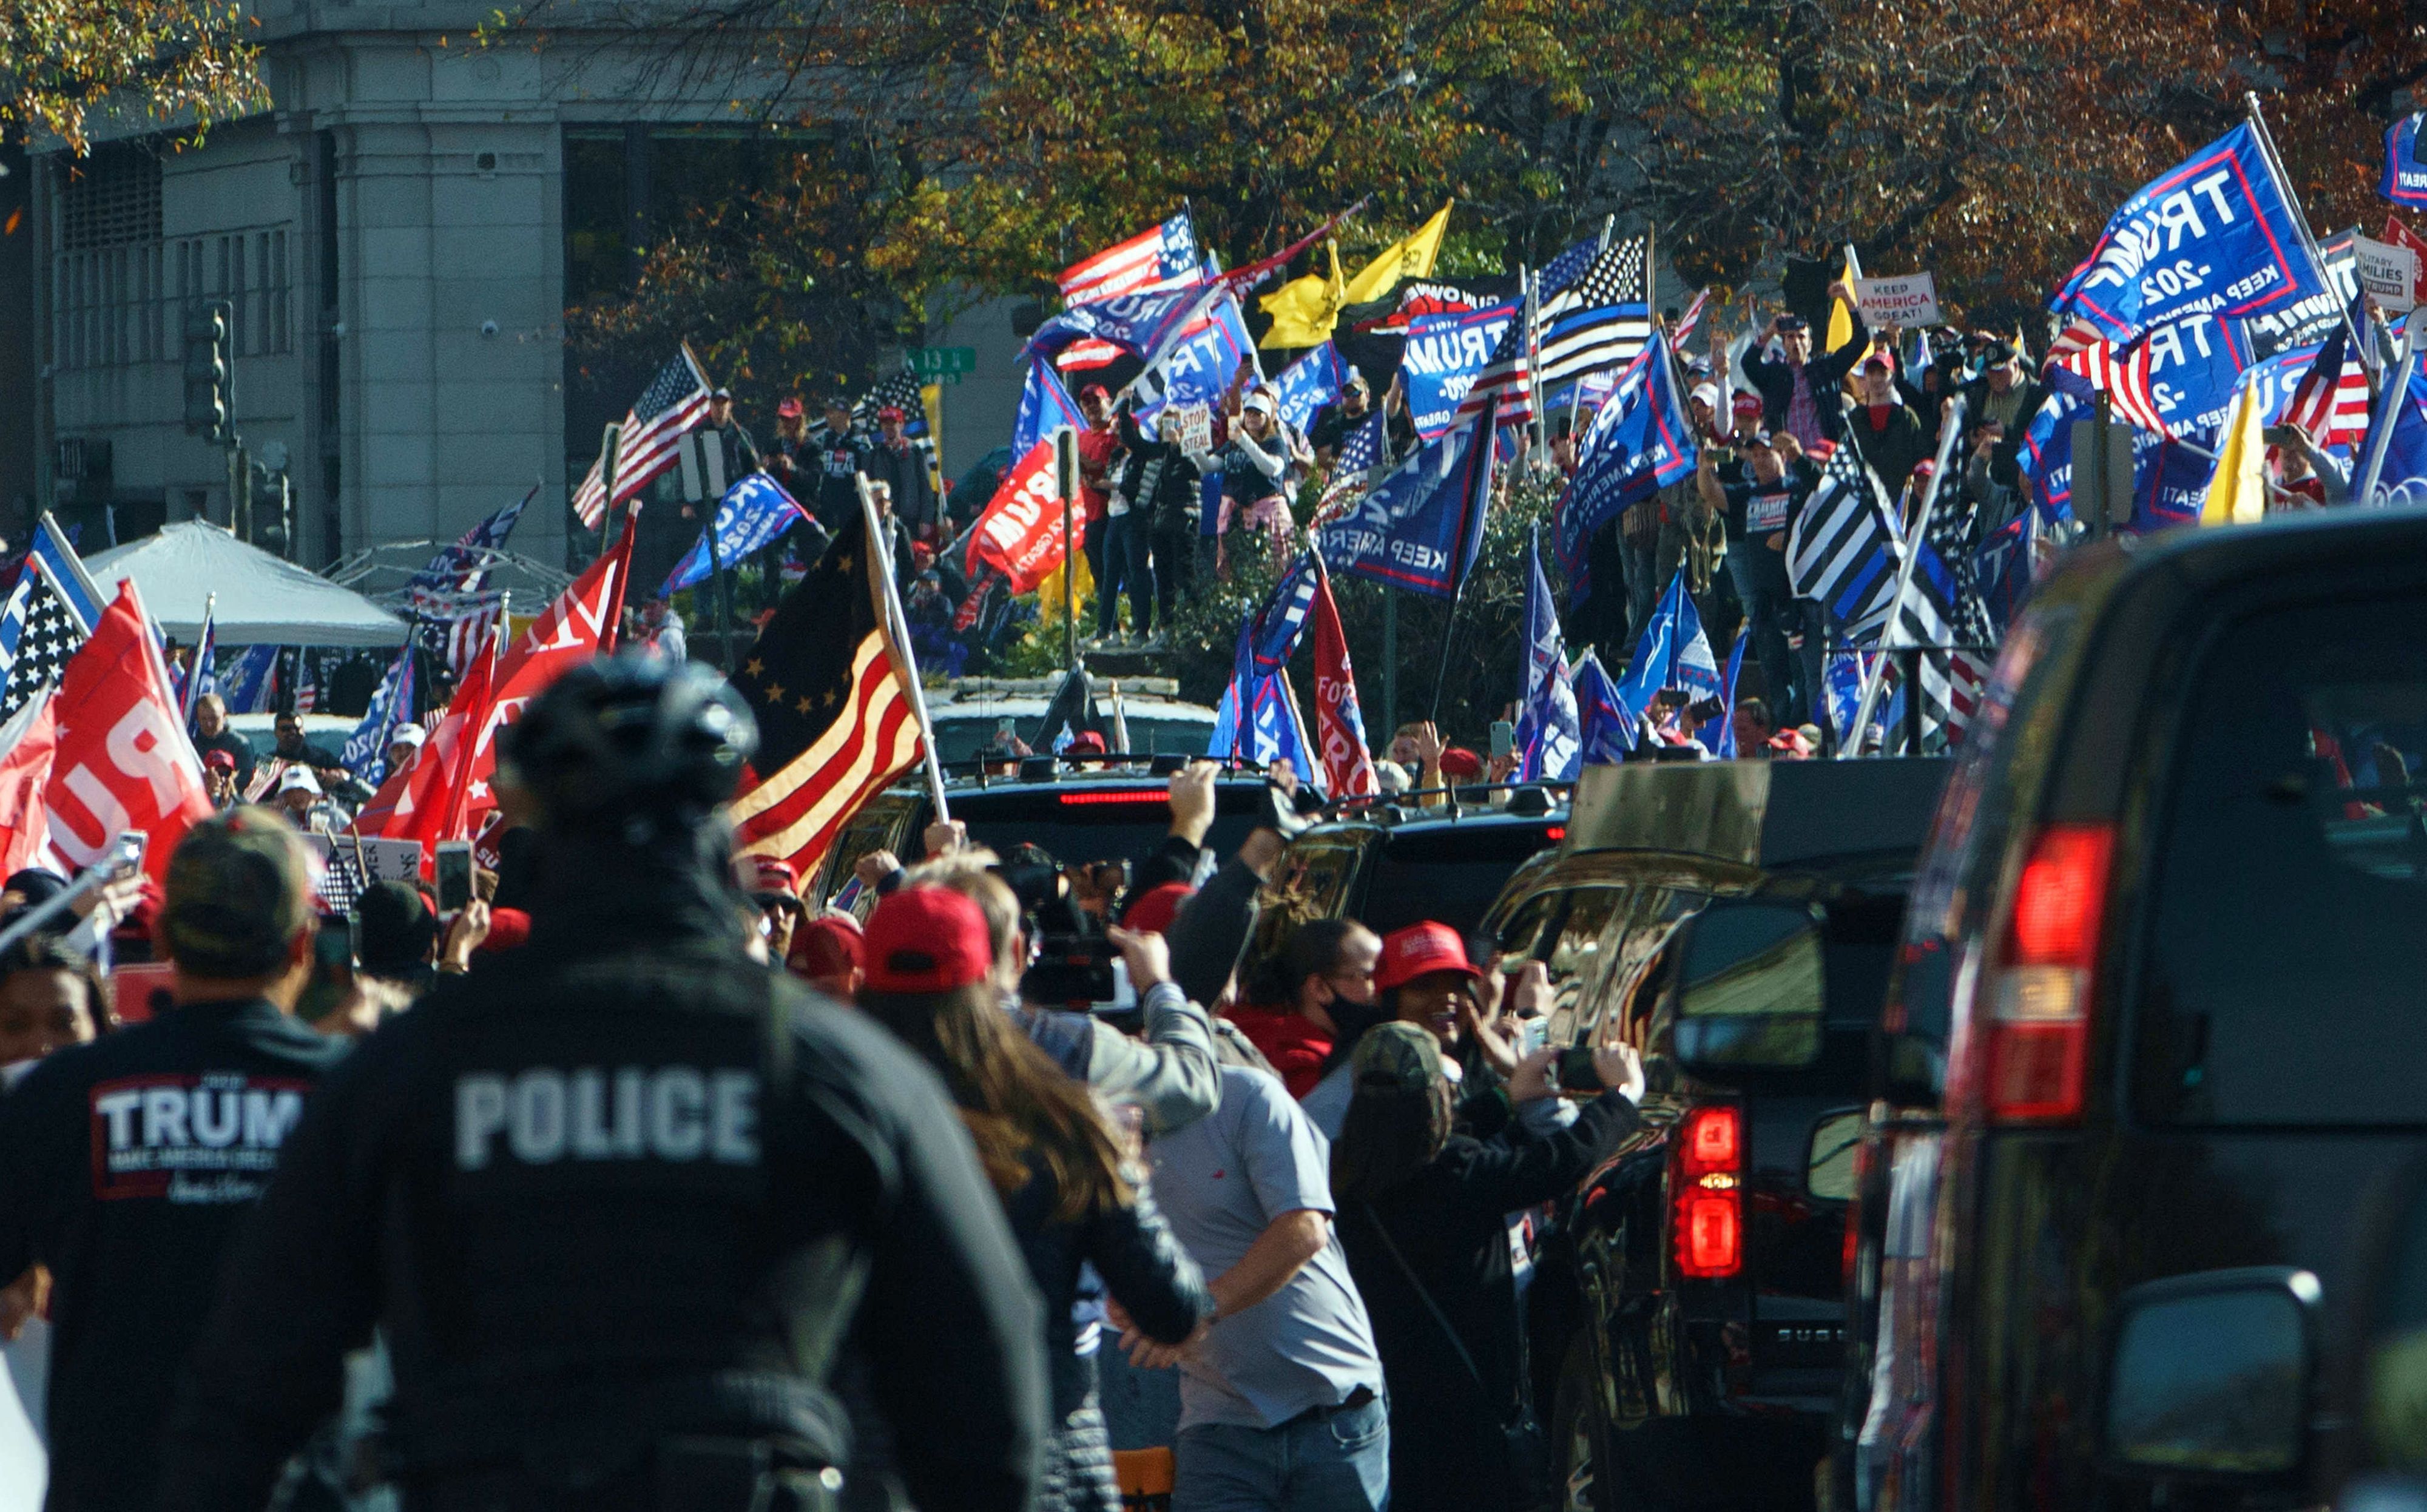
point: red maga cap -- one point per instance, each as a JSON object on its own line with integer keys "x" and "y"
{"x": 926, "y": 940}
{"x": 1421, "y": 950}
{"x": 1157, "y": 907}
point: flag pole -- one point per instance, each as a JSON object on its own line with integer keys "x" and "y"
{"x": 2397, "y": 391}
{"x": 897, "y": 629}
{"x": 1915, "y": 533}
{"x": 1530, "y": 284}
{"x": 2301, "y": 221}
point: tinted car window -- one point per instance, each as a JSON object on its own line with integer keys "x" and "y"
{"x": 2285, "y": 965}
{"x": 1451, "y": 874}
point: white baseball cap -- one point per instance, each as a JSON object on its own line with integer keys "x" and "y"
{"x": 299, "y": 778}
{"x": 1257, "y": 400}
{"x": 407, "y": 735}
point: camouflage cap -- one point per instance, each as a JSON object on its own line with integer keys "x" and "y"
{"x": 1397, "y": 1055}
{"x": 238, "y": 890}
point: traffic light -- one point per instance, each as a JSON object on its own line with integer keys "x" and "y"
{"x": 210, "y": 377}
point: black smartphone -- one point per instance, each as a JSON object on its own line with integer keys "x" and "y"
{"x": 454, "y": 871}
{"x": 1073, "y": 970}
{"x": 1577, "y": 1070}
{"x": 333, "y": 947}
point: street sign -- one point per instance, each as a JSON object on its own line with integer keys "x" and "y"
{"x": 943, "y": 364}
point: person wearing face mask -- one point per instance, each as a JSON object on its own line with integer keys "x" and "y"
{"x": 1313, "y": 992}
{"x": 1425, "y": 978}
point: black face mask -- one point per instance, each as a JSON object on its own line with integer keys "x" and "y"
{"x": 1355, "y": 1019}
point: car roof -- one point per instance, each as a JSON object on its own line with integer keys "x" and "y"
{"x": 1765, "y": 814}
{"x": 313, "y": 723}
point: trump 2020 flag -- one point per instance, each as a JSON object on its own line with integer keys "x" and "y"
{"x": 1550, "y": 735}
{"x": 1608, "y": 726}
{"x": 1671, "y": 653}
{"x": 1140, "y": 324}
{"x": 365, "y": 751}
{"x": 752, "y": 513}
{"x": 1045, "y": 407}
{"x": 2405, "y": 175}
{"x": 1309, "y": 383}
{"x": 1445, "y": 353}
{"x": 1270, "y": 636}
{"x": 1640, "y": 442}
{"x": 1261, "y": 724}
{"x": 2400, "y": 430}
{"x": 1339, "y": 721}
{"x": 2214, "y": 233}
{"x": 1420, "y": 526}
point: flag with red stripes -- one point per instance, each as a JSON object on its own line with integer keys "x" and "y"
{"x": 675, "y": 401}
{"x": 1507, "y": 380}
{"x": 831, "y": 693}
{"x": 1165, "y": 253}
{"x": 2330, "y": 403}
{"x": 2123, "y": 376}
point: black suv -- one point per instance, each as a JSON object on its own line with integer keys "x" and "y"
{"x": 2158, "y": 1005}
{"x": 1733, "y": 921}
{"x": 1390, "y": 865}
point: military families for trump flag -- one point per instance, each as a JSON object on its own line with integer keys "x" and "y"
{"x": 831, "y": 690}
{"x": 1339, "y": 721}
{"x": 124, "y": 763}
{"x": 675, "y": 401}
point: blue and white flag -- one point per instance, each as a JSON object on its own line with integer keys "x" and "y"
{"x": 1608, "y": 728}
{"x": 1671, "y": 654}
{"x": 462, "y": 567}
{"x": 1269, "y": 636}
{"x": 2214, "y": 233}
{"x": 1550, "y": 734}
{"x": 253, "y": 680}
{"x": 365, "y": 752}
{"x": 1420, "y": 526}
{"x": 201, "y": 673}
{"x": 1045, "y": 407}
{"x": 752, "y": 513}
{"x": 1270, "y": 734}
{"x": 2406, "y": 171}
{"x": 75, "y": 585}
{"x": 1639, "y": 443}
{"x": 1309, "y": 383}
{"x": 1197, "y": 364}
{"x": 1725, "y": 746}
{"x": 1444, "y": 354}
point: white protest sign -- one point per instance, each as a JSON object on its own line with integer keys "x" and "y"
{"x": 2388, "y": 273}
{"x": 1908, "y": 302}
{"x": 1191, "y": 425}
{"x": 386, "y": 860}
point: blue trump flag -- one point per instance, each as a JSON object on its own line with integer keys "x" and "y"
{"x": 365, "y": 751}
{"x": 1670, "y": 653}
{"x": 1045, "y": 407}
{"x": 1608, "y": 728}
{"x": 752, "y": 513}
{"x": 252, "y": 680}
{"x": 1443, "y": 355}
{"x": 1197, "y": 364}
{"x": 1639, "y": 442}
{"x": 1421, "y": 525}
{"x": 2405, "y": 173}
{"x": 2215, "y": 233}
{"x": 1269, "y": 733}
{"x": 1140, "y": 324}
{"x": 1268, "y": 637}
{"x": 462, "y": 567}
{"x": 1550, "y": 734}
{"x": 1725, "y": 748}
{"x": 1309, "y": 383}
{"x": 2400, "y": 425}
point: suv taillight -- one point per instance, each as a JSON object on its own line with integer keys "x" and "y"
{"x": 1709, "y": 1193}
{"x": 2037, "y": 1048}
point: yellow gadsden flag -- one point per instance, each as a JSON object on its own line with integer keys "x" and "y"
{"x": 1305, "y": 309}
{"x": 1841, "y": 319}
{"x": 2237, "y": 494}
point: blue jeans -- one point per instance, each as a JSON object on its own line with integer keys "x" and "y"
{"x": 1772, "y": 610}
{"x": 1341, "y": 1463}
{"x": 1124, "y": 566}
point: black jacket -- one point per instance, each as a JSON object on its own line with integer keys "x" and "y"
{"x": 1158, "y": 477}
{"x": 126, "y": 1167}
{"x": 1773, "y": 379}
{"x": 618, "y": 1185}
{"x": 1450, "y": 1222}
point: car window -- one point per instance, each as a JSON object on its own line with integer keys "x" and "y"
{"x": 2286, "y": 972}
{"x": 1574, "y": 951}
{"x": 873, "y": 828}
{"x": 1450, "y": 873}
{"x": 1327, "y": 866}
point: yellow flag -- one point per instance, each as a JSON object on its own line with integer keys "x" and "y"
{"x": 1411, "y": 257}
{"x": 1841, "y": 319}
{"x": 1049, "y": 591}
{"x": 2237, "y": 494}
{"x": 1304, "y": 309}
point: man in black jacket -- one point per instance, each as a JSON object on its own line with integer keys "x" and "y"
{"x": 616, "y": 1199}
{"x": 1799, "y": 392}
{"x": 127, "y": 1163}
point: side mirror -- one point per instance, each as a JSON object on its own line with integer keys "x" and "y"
{"x": 1751, "y": 987}
{"x": 2210, "y": 1375}
{"x": 1829, "y": 1160}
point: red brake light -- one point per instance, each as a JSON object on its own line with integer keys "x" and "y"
{"x": 1117, "y": 795}
{"x": 2037, "y": 1029}
{"x": 1709, "y": 1188}
{"x": 1554, "y": 832}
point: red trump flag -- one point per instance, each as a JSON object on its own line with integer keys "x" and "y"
{"x": 122, "y": 760}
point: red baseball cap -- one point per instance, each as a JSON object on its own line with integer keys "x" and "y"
{"x": 1157, "y": 907}
{"x": 788, "y": 410}
{"x": 1087, "y": 742}
{"x": 926, "y": 940}
{"x": 1745, "y": 403}
{"x": 1421, "y": 950}
{"x": 826, "y": 946}
{"x": 1457, "y": 762}
{"x": 1096, "y": 391}
{"x": 220, "y": 760}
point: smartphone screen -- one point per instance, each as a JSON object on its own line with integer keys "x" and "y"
{"x": 1504, "y": 736}
{"x": 333, "y": 947}
{"x": 454, "y": 868}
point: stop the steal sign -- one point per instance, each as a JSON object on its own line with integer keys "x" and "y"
{"x": 1909, "y": 300}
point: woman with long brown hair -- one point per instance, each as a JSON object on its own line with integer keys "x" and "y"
{"x": 1053, "y": 1161}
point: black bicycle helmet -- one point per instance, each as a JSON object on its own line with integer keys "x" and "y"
{"x": 627, "y": 738}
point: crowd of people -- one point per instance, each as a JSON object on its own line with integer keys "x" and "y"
{"x": 1259, "y": 1211}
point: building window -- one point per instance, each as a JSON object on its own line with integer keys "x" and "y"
{"x": 106, "y": 302}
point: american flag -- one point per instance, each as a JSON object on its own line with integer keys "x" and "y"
{"x": 836, "y": 722}
{"x": 1359, "y": 450}
{"x": 1602, "y": 320}
{"x": 462, "y": 567}
{"x": 40, "y": 629}
{"x": 2123, "y": 376}
{"x": 1162, "y": 255}
{"x": 1507, "y": 381}
{"x": 2331, "y": 403}
{"x": 675, "y": 401}
{"x": 201, "y": 675}
{"x": 2076, "y": 336}
{"x": 1692, "y": 319}
{"x": 457, "y": 625}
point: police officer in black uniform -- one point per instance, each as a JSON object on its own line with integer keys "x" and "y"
{"x": 127, "y": 1165}
{"x": 615, "y": 1198}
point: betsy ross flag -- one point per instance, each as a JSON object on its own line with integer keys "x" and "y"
{"x": 831, "y": 693}
{"x": 675, "y": 401}
{"x": 2123, "y": 374}
{"x": 2331, "y": 403}
{"x": 1598, "y": 321}
{"x": 1164, "y": 254}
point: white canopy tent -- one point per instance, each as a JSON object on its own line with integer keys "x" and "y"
{"x": 262, "y": 599}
